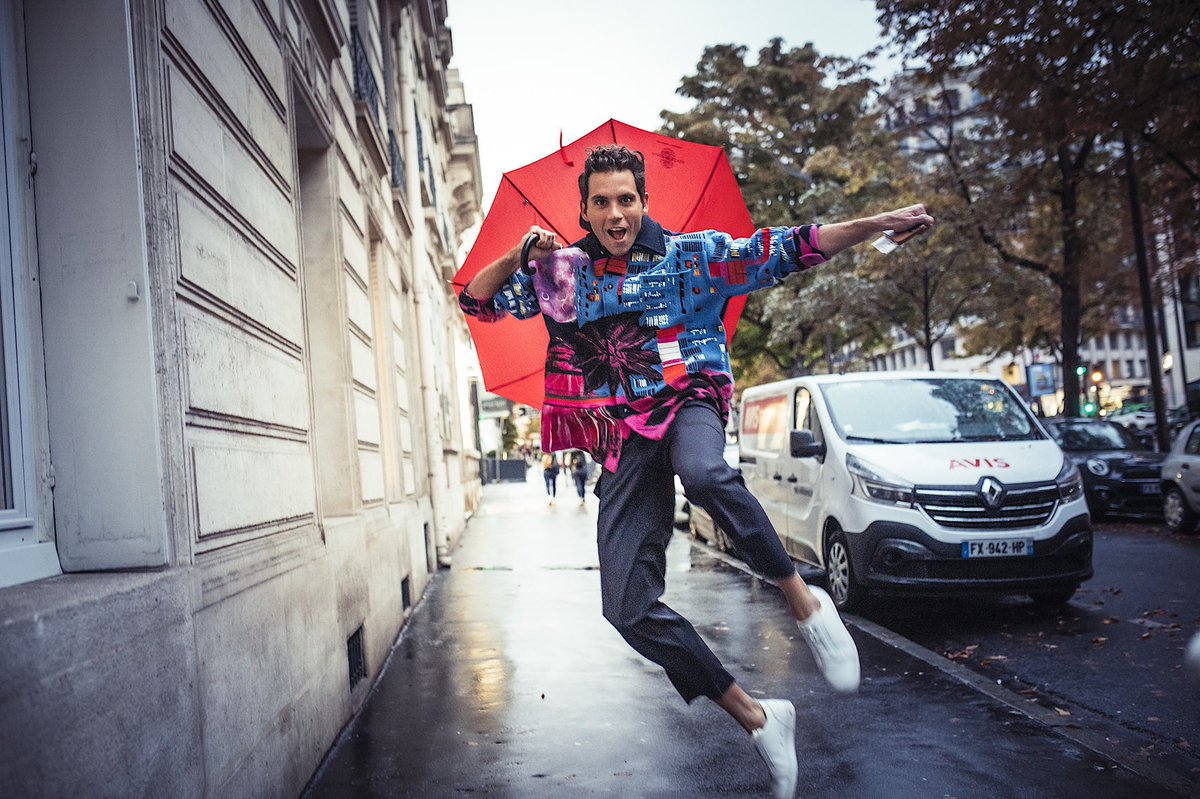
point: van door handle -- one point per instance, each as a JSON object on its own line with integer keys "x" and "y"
{"x": 793, "y": 479}
{"x": 778, "y": 477}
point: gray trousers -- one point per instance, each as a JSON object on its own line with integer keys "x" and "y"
{"x": 637, "y": 506}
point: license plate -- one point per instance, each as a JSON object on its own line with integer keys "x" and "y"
{"x": 1150, "y": 488}
{"x": 998, "y": 548}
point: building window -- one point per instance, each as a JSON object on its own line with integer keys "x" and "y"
{"x": 27, "y": 550}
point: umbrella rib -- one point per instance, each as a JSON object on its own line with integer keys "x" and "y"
{"x": 686, "y": 227}
{"x": 508, "y": 383}
{"x": 529, "y": 202}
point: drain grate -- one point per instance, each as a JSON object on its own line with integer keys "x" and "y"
{"x": 354, "y": 657}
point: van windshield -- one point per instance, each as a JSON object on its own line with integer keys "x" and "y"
{"x": 927, "y": 411}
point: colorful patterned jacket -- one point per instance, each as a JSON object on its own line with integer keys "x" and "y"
{"x": 632, "y": 340}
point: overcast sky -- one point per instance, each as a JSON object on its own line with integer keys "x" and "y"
{"x": 532, "y": 68}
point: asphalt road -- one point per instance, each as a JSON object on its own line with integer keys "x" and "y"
{"x": 1110, "y": 661}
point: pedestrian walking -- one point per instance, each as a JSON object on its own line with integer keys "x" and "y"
{"x": 579, "y": 471}
{"x": 550, "y": 473}
{"x": 637, "y": 373}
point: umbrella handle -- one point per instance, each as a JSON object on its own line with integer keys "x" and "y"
{"x": 526, "y": 246}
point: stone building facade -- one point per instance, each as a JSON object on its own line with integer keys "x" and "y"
{"x": 235, "y": 437}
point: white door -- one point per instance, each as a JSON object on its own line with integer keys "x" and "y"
{"x": 800, "y": 481}
{"x": 765, "y": 424}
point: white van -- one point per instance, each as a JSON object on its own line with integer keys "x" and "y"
{"x": 916, "y": 482}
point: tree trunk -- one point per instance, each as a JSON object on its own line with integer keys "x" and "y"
{"x": 1153, "y": 359}
{"x": 1071, "y": 308}
{"x": 927, "y": 314}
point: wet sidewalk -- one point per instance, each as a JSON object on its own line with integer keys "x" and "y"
{"x": 507, "y": 682}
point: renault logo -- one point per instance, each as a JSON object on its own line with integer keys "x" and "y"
{"x": 992, "y": 491}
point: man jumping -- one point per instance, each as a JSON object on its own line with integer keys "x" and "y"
{"x": 637, "y": 374}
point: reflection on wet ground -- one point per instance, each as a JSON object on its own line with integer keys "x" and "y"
{"x": 508, "y": 683}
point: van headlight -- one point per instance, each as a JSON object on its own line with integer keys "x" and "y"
{"x": 878, "y": 485}
{"x": 1069, "y": 481}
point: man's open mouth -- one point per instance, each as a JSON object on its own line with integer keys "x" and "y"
{"x": 617, "y": 232}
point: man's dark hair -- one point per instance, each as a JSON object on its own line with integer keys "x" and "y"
{"x": 613, "y": 158}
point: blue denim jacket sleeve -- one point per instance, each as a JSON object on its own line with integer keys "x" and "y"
{"x": 740, "y": 266}
{"x": 518, "y": 297}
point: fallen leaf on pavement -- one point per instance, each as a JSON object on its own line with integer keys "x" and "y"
{"x": 1100, "y": 641}
{"x": 1062, "y": 712}
{"x": 962, "y": 654}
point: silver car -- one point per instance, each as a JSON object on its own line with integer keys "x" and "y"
{"x": 1181, "y": 481}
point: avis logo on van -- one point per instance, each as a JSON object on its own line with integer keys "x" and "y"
{"x": 978, "y": 463}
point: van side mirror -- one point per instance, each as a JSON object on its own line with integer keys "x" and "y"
{"x": 804, "y": 446}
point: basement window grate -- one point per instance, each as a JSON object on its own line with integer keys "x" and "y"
{"x": 406, "y": 593}
{"x": 355, "y": 659}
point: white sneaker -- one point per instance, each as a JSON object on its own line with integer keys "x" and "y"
{"x": 831, "y": 644}
{"x": 775, "y": 743}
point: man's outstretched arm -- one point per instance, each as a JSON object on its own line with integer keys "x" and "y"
{"x": 839, "y": 236}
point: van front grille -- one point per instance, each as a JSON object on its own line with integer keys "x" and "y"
{"x": 965, "y": 509}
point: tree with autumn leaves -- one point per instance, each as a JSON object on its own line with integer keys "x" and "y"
{"x": 1033, "y": 242}
{"x": 1070, "y": 86}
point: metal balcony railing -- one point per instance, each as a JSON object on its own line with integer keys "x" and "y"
{"x": 420, "y": 134}
{"x": 366, "y": 88}
{"x": 432, "y": 182}
{"x": 398, "y": 169}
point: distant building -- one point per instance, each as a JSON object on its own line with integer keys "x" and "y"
{"x": 234, "y": 442}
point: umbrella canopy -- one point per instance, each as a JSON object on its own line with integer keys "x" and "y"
{"x": 689, "y": 187}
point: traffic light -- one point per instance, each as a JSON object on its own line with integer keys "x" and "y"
{"x": 1080, "y": 370}
{"x": 1089, "y": 408}
{"x": 1097, "y": 375}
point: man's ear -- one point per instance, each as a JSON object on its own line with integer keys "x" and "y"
{"x": 646, "y": 202}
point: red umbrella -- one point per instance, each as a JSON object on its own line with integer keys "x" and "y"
{"x": 689, "y": 187}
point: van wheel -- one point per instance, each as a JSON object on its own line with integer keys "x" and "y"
{"x": 847, "y": 594}
{"x": 1176, "y": 513}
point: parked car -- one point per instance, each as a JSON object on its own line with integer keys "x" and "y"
{"x": 1134, "y": 417}
{"x": 916, "y": 483}
{"x": 1120, "y": 475}
{"x": 1177, "y": 419}
{"x": 1181, "y": 481}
